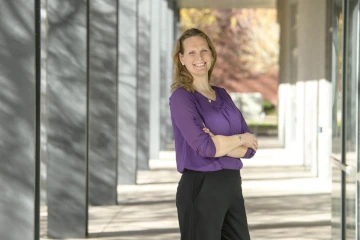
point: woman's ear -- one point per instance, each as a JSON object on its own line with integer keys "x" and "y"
{"x": 181, "y": 58}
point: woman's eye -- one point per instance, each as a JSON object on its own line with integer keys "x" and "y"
{"x": 191, "y": 52}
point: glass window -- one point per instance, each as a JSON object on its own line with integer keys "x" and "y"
{"x": 350, "y": 207}
{"x": 336, "y": 204}
{"x": 337, "y": 46}
{"x": 350, "y": 137}
{"x": 351, "y": 81}
{"x": 336, "y": 75}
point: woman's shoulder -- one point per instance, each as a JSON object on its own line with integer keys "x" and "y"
{"x": 221, "y": 90}
{"x": 180, "y": 93}
{"x": 217, "y": 88}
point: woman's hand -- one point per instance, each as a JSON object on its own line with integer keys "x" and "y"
{"x": 249, "y": 140}
{"x": 206, "y": 130}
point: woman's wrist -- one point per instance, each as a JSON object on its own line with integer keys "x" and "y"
{"x": 240, "y": 138}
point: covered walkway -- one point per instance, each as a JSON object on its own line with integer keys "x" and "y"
{"x": 84, "y": 106}
{"x": 283, "y": 200}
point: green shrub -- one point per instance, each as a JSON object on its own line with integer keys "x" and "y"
{"x": 268, "y": 107}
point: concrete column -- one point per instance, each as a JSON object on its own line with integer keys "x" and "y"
{"x": 284, "y": 72}
{"x": 310, "y": 129}
{"x": 103, "y": 102}
{"x": 295, "y": 97}
{"x": 19, "y": 84}
{"x": 300, "y": 127}
{"x": 281, "y": 113}
{"x": 155, "y": 79}
{"x": 43, "y": 121}
{"x": 302, "y": 64}
{"x": 164, "y": 72}
{"x": 325, "y": 99}
{"x": 169, "y": 142}
{"x": 289, "y": 90}
{"x": 290, "y": 119}
{"x": 324, "y": 129}
{"x": 311, "y": 69}
{"x": 177, "y": 26}
{"x": 67, "y": 116}
{"x": 127, "y": 88}
{"x": 143, "y": 82}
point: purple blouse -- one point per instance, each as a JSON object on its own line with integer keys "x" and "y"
{"x": 194, "y": 148}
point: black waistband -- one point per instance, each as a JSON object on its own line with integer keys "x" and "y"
{"x": 222, "y": 172}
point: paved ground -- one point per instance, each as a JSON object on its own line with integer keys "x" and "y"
{"x": 283, "y": 201}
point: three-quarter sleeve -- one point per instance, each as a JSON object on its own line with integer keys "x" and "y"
{"x": 249, "y": 153}
{"x": 244, "y": 126}
{"x": 187, "y": 119}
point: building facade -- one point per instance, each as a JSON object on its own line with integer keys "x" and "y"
{"x": 345, "y": 28}
{"x": 84, "y": 102}
{"x": 84, "y": 106}
{"x": 319, "y": 98}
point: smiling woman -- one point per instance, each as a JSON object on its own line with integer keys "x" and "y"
{"x": 211, "y": 136}
{"x": 197, "y": 58}
{"x": 193, "y": 51}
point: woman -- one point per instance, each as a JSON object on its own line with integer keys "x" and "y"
{"x": 211, "y": 136}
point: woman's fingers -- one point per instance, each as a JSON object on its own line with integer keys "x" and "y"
{"x": 206, "y": 130}
{"x": 250, "y": 141}
{"x": 254, "y": 147}
{"x": 256, "y": 144}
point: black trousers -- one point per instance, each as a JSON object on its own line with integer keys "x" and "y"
{"x": 210, "y": 206}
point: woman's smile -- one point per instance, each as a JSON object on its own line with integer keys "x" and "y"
{"x": 200, "y": 64}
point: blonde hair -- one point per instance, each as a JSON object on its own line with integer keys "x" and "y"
{"x": 182, "y": 77}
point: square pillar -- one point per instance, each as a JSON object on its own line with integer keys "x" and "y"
{"x": 67, "y": 119}
{"x": 103, "y": 112}
{"x": 143, "y": 84}
{"x": 127, "y": 87}
{"x": 155, "y": 75}
{"x": 19, "y": 117}
{"x": 167, "y": 44}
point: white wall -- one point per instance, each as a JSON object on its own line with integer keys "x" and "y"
{"x": 304, "y": 93}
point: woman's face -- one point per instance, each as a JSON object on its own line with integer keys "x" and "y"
{"x": 197, "y": 56}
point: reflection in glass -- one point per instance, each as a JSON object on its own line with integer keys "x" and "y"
{"x": 337, "y": 46}
{"x": 350, "y": 207}
{"x": 351, "y": 79}
{"x": 351, "y": 113}
{"x": 336, "y": 201}
{"x": 336, "y": 77}
{"x": 358, "y": 205}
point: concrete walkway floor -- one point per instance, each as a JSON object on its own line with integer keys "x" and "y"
{"x": 283, "y": 201}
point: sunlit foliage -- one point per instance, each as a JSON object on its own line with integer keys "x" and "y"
{"x": 247, "y": 42}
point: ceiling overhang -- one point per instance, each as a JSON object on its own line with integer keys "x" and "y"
{"x": 226, "y": 3}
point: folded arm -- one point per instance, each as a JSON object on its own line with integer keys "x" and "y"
{"x": 226, "y": 144}
{"x": 236, "y": 146}
{"x": 238, "y": 152}
{"x": 242, "y": 152}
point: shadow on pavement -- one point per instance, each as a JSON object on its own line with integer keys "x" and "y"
{"x": 283, "y": 201}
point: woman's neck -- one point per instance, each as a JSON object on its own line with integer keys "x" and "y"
{"x": 202, "y": 85}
